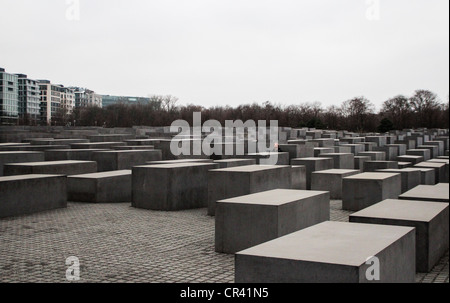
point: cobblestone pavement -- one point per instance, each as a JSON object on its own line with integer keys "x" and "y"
{"x": 117, "y": 243}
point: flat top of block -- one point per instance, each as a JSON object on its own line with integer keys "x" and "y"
{"x": 438, "y": 161}
{"x": 96, "y": 143}
{"x": 175, "y": 165}
{"x": 417, "y": 150}
{"x": 336, "y": 154}
{"x": 312, "y": 159}
{"x": 128, "y": 151}
{"x": 251, "y": 168}
{"x": 48, "y": 163}
{"x": 428, "y": 192}
{"x": 332, "y": 243}
{"x": 77, "y": 150}
{"x": 27, "y": 177}
{"x": 274, "y": 197}
{"x": 337, "y": 171}
{"x": 103, "y": 174}
{"x": 19, "y": 152}
{"x": 410, "y": 157}
{"x": 403, "y": 210}
{"x": 399, "y": 170}
{"x": 232, "y": 160}
{"x": 371, "y": 152}
{"x": 181, "y": 161}
{"x": 372, "y": 176}
{"x": 430, "y": 164}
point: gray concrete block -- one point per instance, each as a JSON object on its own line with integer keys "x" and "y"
{"x": 331, "y": 180}
{"x": 372, "y": 166}
{"x": 430, "y": 219}
{"x": 323, "y": 150}
{"x": 424, "y": 153}
{"x": 246, "y": 221}
{"x": 281, "y": 158}
{"x": 402, "y": 165}
{"x": 363, "y": 190}
{"x": 331, "y": 252}
{"x": 440, "y": 169}
{"x": 51, "y": 167}
{"x": 96, "y": 145}
{"x": 433, "y": 193}
{"x": 439, "y": 144}
{"x": 57, "y": 141}
{"x": 312, "y": 165}
{"x": 137, "y": 147}
{"x": 324, "y": 142}
{"x": 180, "y": 161}
{"x": 411, "y": 159}
{"x": 70, "y": 154}
{"x": 355, "y": 148}
{"x": 306, "y": 148}
{"x": 341, "y": 160}
{"x": 427, "y": 176}
{"x": 124, "y": 159}
{"x": 106, "y": 187}
{"x": 228, "y": 163}
{"x": 171, "y": 187}
{"x": 434, "y": 150}
{"x": 380, "y": 141}
{"x": 298, "y": 177}
{"x": 374, "y": 155}
{"x": 401, "y": 148}
{"x": 19, "y": 157}
{"x": 239, "y": 181}
{"x": 22, "y": 195}
{"x": 359, "y": 162}
{"x": 111, "y": 138}
{"x": 411, "y": 177}
{"x": 391, "y": 152}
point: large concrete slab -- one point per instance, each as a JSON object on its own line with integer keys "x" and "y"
{"x": 411, "y": 159}
{"x": 228, "y": 163}
{"x": 411, "y": 177}
{"x": 433, "y": 193}
{"x": 274, "y": 158}
{"x": 111, "y": 138}
{"x": 243, "y": 180}
{"x": 372, "y": 166}
{"x": 124, "y": 159}
{"x": 363, "y": 190}
{"x": 96, "y": 145}
{"x": 331, "y": 180}
{"x": 51, "y": 167}
{"x": 246, "y": 221}
{"x": 425, "y": 153}
{"x": 22, "y": 195}
{"x": 312, "y": 165}
{"x": 105, "y": 187}
{"x": 171, "y": 187}
{"x": 440, "y": 169}
{"x": 331, "y": 252}
{"x": 374, "y": 155}
{"x": 359, "y": 162}
{"x": 430, "y": 219}
{"x": 341, "y": 160}
{"x": 70, "y": 154}
{"x": 19, "y": 157}
{"x": 434, "y": 150}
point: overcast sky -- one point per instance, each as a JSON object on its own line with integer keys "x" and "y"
{"x": 230, "y": 52}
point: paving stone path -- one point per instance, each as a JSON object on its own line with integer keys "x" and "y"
{"x": 117, "y": 243}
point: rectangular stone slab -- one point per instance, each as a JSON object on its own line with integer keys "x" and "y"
{"x": 412, "y": 159}
{"x": 331, "y": 180}
{"x": 96, "y": 145}
{"x": 312, "y": 165}
{"x": 376, "y": 156}
{"x": 243, "y": 180}
{"x": 27, "y": 194}
{"x": 124, "y": 159}
{"x": 433, "y": 193}
{"x": 228, "y": 163}
{"x": 431, "y": 220}
{"x": 363, "y": 190}
{"x": 331, "y": 252}
{"x": 372, "y": 166}
{"x": 439, "y": 168}
{"x": 171, "y": 187}
{"x": 70, "y": 154}
{"x": 69, "y": 167}
{"x": 19, "y": 157}
{"x": 341, "y": 160}
{"x": 411, "y": 177}
{"x": 425, "y": 153}
{"x": 106, "y": 187}
{"x": 246, "y": 221}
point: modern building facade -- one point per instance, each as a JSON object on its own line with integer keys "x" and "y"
{"x": 9, "y": 98}
{"x": 86, "y": 98}
{"x": 110, "y": 100}
{"x": 29, "y": 99}
{"x": 51, "y": 96}
{"x": 67, "y": 100}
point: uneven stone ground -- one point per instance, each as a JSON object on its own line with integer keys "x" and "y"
{"x": 117, "y": 243}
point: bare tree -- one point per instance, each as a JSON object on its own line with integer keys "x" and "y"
{"x": 426, "y": 106}
{"x": 357, "y": 112}
{"x": 398, "y": 110}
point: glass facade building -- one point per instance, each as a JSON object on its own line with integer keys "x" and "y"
{"x": 109, "y": 100}
{"x": 29, "y": 99}
{"x": 9, "y": 98}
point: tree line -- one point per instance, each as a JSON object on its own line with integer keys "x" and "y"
{"x": 422, "y": 109}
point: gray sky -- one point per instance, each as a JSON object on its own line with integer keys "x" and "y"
{"x": 219, "y": 52}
